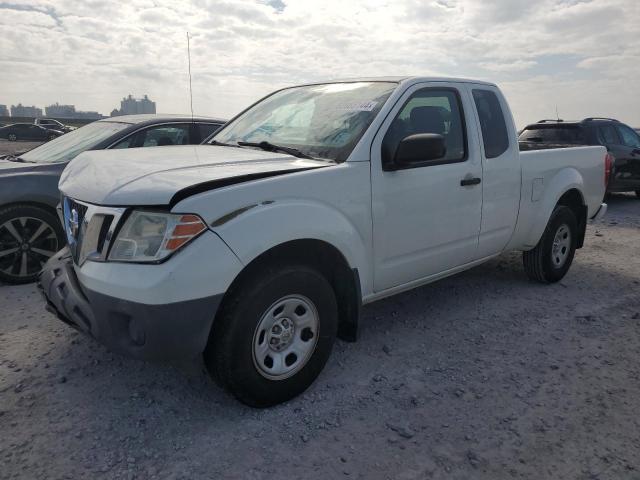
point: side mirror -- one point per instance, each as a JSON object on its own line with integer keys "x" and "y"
{"x": 419, "y": 149}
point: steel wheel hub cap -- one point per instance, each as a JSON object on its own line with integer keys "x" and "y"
{"x": 285, "y": 337}
{"x": 281, "y": 334}
{"x": 561, "y": 246}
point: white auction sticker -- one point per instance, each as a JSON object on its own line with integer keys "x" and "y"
{"x": 359, "y": 106}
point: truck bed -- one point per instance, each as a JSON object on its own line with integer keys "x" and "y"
{"x": 580, "y": 168}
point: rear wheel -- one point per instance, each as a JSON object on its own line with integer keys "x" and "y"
{"x": 12, "y": 137}
{"x": 550, "y": 260}
{"x": 29, "y": 235}
{"x": 273, "y": 335}
{"x": 638, "y": 193}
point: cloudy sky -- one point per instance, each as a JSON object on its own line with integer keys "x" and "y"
{"x": 582, "y": 56}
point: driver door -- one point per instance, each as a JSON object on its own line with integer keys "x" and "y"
{"x": 426, "y": 219}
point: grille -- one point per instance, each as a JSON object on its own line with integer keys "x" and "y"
{"x": 89, "y": 229}
{"x": 82, "y": 209}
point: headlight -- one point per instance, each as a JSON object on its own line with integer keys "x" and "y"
{"x": 153, "y": 236}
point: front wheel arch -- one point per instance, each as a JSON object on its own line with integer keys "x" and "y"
{"x": 329, "y": 261}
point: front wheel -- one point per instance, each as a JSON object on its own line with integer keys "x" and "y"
{"x": 550, "y": 260}
{"x": 273, "y": 334}
{"x": 29, "y": 235}
{"x": 12, "y": 137}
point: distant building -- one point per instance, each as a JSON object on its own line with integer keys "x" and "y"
{"x": 60, "y": 111}
{"x": 133, "y": 106}
{"x": 4, "y": 111}
{"x": 88, "y": 115}
{"x": 22, "y": 111}
{"x": 69, "y": 111}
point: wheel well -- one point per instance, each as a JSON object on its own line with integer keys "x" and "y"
{"x": 43, "y": 206}
{"x": 573, "y": 200}
{"x": 329, "y": 261}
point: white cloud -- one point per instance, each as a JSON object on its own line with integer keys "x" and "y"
{"x": 515, "y": 66}
{"x": 580, "y": 54}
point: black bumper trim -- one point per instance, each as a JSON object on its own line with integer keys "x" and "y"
{"x": 155, "y": 332}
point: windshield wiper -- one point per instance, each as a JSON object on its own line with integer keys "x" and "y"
{"x": 222, "y": 144}
{"x": 13, "y": 158}
{"x": 270, "y": 147}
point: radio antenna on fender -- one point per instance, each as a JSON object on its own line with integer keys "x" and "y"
{"x": 190, "y": 86}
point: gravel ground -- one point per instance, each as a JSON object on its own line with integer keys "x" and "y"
{"x": 7, "y": 147}
{"x": 484, "y": 375}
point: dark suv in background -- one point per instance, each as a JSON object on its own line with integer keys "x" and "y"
{"x": 621, "y": 141}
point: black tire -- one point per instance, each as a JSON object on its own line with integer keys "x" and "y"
{"x": 539, "y": 263}
{"x": 638, "y": 193}
{"x": 24, "y": 221}
{"x": 229, "y": 355}
{"x": 51, "y": 137}
{"x": 12, "y": 137}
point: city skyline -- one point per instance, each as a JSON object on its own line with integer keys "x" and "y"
{"x": 128, "y": 106}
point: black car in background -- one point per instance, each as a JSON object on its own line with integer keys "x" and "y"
{"x": 30, "y": 231}
{"x": 622, "y": 143}
{"x": 29, "y": 131}
{"x": 53, "y": 124}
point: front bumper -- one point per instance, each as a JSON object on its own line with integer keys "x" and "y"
{"x": 155, "y": 332}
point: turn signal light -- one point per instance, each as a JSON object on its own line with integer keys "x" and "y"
{"x": 608, "y": 167}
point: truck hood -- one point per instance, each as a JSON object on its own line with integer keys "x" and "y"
{"x": 163, "y": 175}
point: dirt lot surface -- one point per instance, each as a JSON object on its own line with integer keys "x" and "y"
{"x": 13, "y": 148}
{"x": 485, "y": 375}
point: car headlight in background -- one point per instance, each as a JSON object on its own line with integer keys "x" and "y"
{"x": 153, "y": 236}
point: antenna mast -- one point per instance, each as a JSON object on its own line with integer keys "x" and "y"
{"x": 190, "y": 86}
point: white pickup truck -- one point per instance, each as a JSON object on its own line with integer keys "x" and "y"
{"x": 259, "y": 248}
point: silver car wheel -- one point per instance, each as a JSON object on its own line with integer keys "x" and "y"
{"x": 561, "y": 246}
{"x": 12, "y": 137}
{"x": 285, "y": 337}
{"x": 26, "y": 243}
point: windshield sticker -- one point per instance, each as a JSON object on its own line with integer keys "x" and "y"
{"x": 359, "y": 106}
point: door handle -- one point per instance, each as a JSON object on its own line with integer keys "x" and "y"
{"x": 467, "y": 182}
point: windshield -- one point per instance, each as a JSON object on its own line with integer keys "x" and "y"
{"x": 322, "y": 121}
{"x": 72, "y": 144}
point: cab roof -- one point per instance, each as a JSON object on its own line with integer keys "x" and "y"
{"x": 405, "y": 79}
{"x": 158, "y": 118}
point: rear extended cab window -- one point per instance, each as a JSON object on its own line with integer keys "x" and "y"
{"x": 494, "y": 128}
